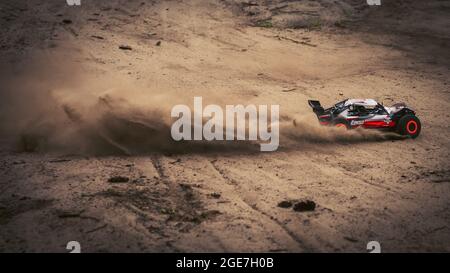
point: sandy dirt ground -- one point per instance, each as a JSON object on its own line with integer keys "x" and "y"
{"x": 86, "y": 97}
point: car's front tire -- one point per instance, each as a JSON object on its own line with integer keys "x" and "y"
{"x": 409, "y": 125}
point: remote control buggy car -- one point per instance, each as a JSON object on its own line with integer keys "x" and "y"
{"x": 367, "y": 113}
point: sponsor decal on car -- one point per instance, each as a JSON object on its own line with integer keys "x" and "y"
{"x": 356, "y": 122}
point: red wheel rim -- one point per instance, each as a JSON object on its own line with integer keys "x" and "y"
{"x": 411, "y": 127}
{"x": 341, "y": 125}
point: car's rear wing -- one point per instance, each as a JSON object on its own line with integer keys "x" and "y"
{"x": 316, "y": 106}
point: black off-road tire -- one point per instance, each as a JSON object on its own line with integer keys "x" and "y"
{"x": 409, "y": 125}
{"x": 342, "y": 123}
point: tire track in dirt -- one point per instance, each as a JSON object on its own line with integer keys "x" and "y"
{"x": 306, "y": 247}
{"x": 363, "y": 181}
{"x": 343, "y": 208}
{"x": 238, "y": 228}
{"x": 189, "y": 207}
{"x": 391, "y": 188}
{"x": 156, "y": 161}
{"x": 321, "y": 165}
{"x": 175, "y": 193}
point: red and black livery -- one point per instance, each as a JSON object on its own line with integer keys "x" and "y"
{"x": 367, "y": 113}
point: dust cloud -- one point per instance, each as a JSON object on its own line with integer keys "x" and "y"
{"x": 46, "y": 108}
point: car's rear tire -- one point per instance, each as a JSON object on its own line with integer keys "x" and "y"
{"x": 341, "y": 124}
{"x": 409, "y": 125}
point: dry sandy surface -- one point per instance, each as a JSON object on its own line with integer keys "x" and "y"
{"x": 77, "y": 110}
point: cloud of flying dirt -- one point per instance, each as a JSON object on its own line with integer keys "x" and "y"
{"x": 305, "y": 129}
{"x": 49, "y": 108}
{"x": 56, "y": 120}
